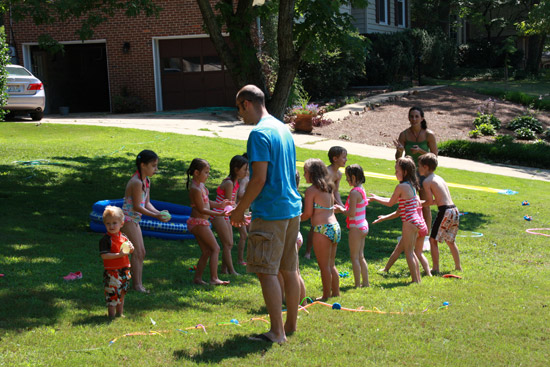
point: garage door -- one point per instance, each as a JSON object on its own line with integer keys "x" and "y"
{"x": 193, "y": 75}
{"x": 76, "y": 78}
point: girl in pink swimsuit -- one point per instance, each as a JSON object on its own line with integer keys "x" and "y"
{"x": 198, "y": 223}
{"x": 357, "y": 224}
{"x": 238, "y": 169}
{"x": 137, "y": 203}
{"x": 405, "y": 196}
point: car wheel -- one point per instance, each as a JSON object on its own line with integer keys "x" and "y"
{"x": 37, "y": 116}
{"x": 9, "y": 116}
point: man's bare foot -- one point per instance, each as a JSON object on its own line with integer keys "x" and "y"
{"x": 235, "y": 273}
{"x": 199, "y": 282}
{"x": 383, "y": 270}
{"x": 322, "y": 299}
{"x": 219, "y": 282}
{"x": 268, "y": 338}
{"x": 365, "y": 285}
{"x": 120, "y": 315}
{"x": 141, "y": 289}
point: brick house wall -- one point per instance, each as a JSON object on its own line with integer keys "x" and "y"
{"x": 134, "y": 69}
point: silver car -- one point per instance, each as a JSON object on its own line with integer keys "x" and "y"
{"x": 26, "y": 93}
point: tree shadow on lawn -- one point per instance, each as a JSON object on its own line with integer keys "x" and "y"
{"x": 213, "y": 352}
{"x": 46, "y": 235}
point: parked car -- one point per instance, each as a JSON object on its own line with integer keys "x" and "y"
{"x": 26, "y": 93}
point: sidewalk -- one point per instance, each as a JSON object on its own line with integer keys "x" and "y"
{"x": 226, "y": 124}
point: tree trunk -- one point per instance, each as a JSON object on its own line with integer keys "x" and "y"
{"x": 288, "y": 60}
{"x": 534, "y": 53}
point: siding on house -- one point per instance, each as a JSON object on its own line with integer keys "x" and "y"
{"x": 366, "y": 20}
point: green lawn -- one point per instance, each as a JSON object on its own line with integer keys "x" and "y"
{"x": 50, "y": 175}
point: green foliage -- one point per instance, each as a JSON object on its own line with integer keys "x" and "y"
{"x": 503, "y": 150}
{"x": 4, "y": 60}
{"x": 546, "y": 135}
{"x": 526, "y": 121}
{"x": 333, "y": 72}
{"x": 487, "y": 129}
{"x": 487, "y": 119}
{"x": 395, "y": 55}
{"x": 126, "y": 102}
{"x": 474, "y": 133}
{"x": 524, "y": 133}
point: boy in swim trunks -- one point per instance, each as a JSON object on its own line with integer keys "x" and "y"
{"x": 446, "y": 223}
{"x": 114, "y": 248}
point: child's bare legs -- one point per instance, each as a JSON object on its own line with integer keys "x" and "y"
{"x": 209, "y": 250}
{"x": 323, "y": 250}
{"x": 309, "y": 244}
{"x": 409, "y": 239}
{"x": 357, "y": 257}
{"x": 111, "y": 311}
{"x": 394, "y": 256}
{"x": 456, "y": 255}
{"x": 120, "y": 306}
{"x": 133, "y": 232}
{"x": 335, "y": 275}
{"x": 243, "y": 235}
{"x": 434, "y": 251}
{"x": 225, "y": 233}
{"x": 418, "y": 250}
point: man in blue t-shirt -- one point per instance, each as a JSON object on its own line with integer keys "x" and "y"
{"x": 276, "y": 206}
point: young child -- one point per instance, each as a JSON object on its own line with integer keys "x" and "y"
{"x": 319, "y": 206}
{"x": 405, "y": 195}
{"x": 238, "y": 169}
{"x": 243, "y": 230}
{"x": 198, "y": 223}
{"x": 337, "y": 156}
{"x": 137, "y": 203}
{"x": 114, "y": 248}
{"x": 446, "y": 223}
{"x": 418, "y": 247}
{"x": 299, "y": 243}
{"x": 357, "y": 224}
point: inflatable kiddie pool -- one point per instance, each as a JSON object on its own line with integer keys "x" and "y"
{"x": 175, "y": 229}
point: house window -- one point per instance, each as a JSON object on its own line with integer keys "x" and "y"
{"x": 382, "y": 11}
{"x": 400, "y": 12}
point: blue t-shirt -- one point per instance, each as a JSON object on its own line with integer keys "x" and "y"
{"x": 271, "y": 141}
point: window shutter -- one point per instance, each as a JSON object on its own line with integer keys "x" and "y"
{"x": 406, "y": 5}
{"x": 388, "y": 12}
{"x": 377, "y": 10}
{"x": 396, "y": 12}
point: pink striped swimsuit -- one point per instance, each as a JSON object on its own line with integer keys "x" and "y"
{"x": 359, "y": 221}
{"x": 409, "y": 212}
{"x": 220, "y": 195}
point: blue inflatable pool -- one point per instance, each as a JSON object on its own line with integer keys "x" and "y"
{"x": 175, "y": 229}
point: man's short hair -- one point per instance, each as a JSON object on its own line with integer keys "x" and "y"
{"x": 429, "y": 160}
{"x": 113, "y": 211}
{"x": 335, "y": 151}
{"x": 251, "y": 93}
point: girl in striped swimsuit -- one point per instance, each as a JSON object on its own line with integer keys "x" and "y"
{"x": 405, "y": 195}
{"x": 238, "y": 169}
{"x": 356, "y": 223}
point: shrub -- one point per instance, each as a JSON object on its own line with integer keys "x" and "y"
{"x": 501, "y": 151}
{"x": 126, "y": 103}
{"x": 484, "y": 119}
{"x": 525, "y": 121}
{"x": 474, "y": 133}
{"x": 4, "y": 60}
{"x": 487, "y": 129}
{"x": 524, "y": 133}
{"x": 546, "y": 135}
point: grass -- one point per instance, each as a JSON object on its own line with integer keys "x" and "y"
{"x": 533, "y": 88}
{"x": 52, "y": 174}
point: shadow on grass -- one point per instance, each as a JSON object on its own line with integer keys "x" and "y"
{"x": 46, "y": 235}
{"x": 235, "y": 347}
